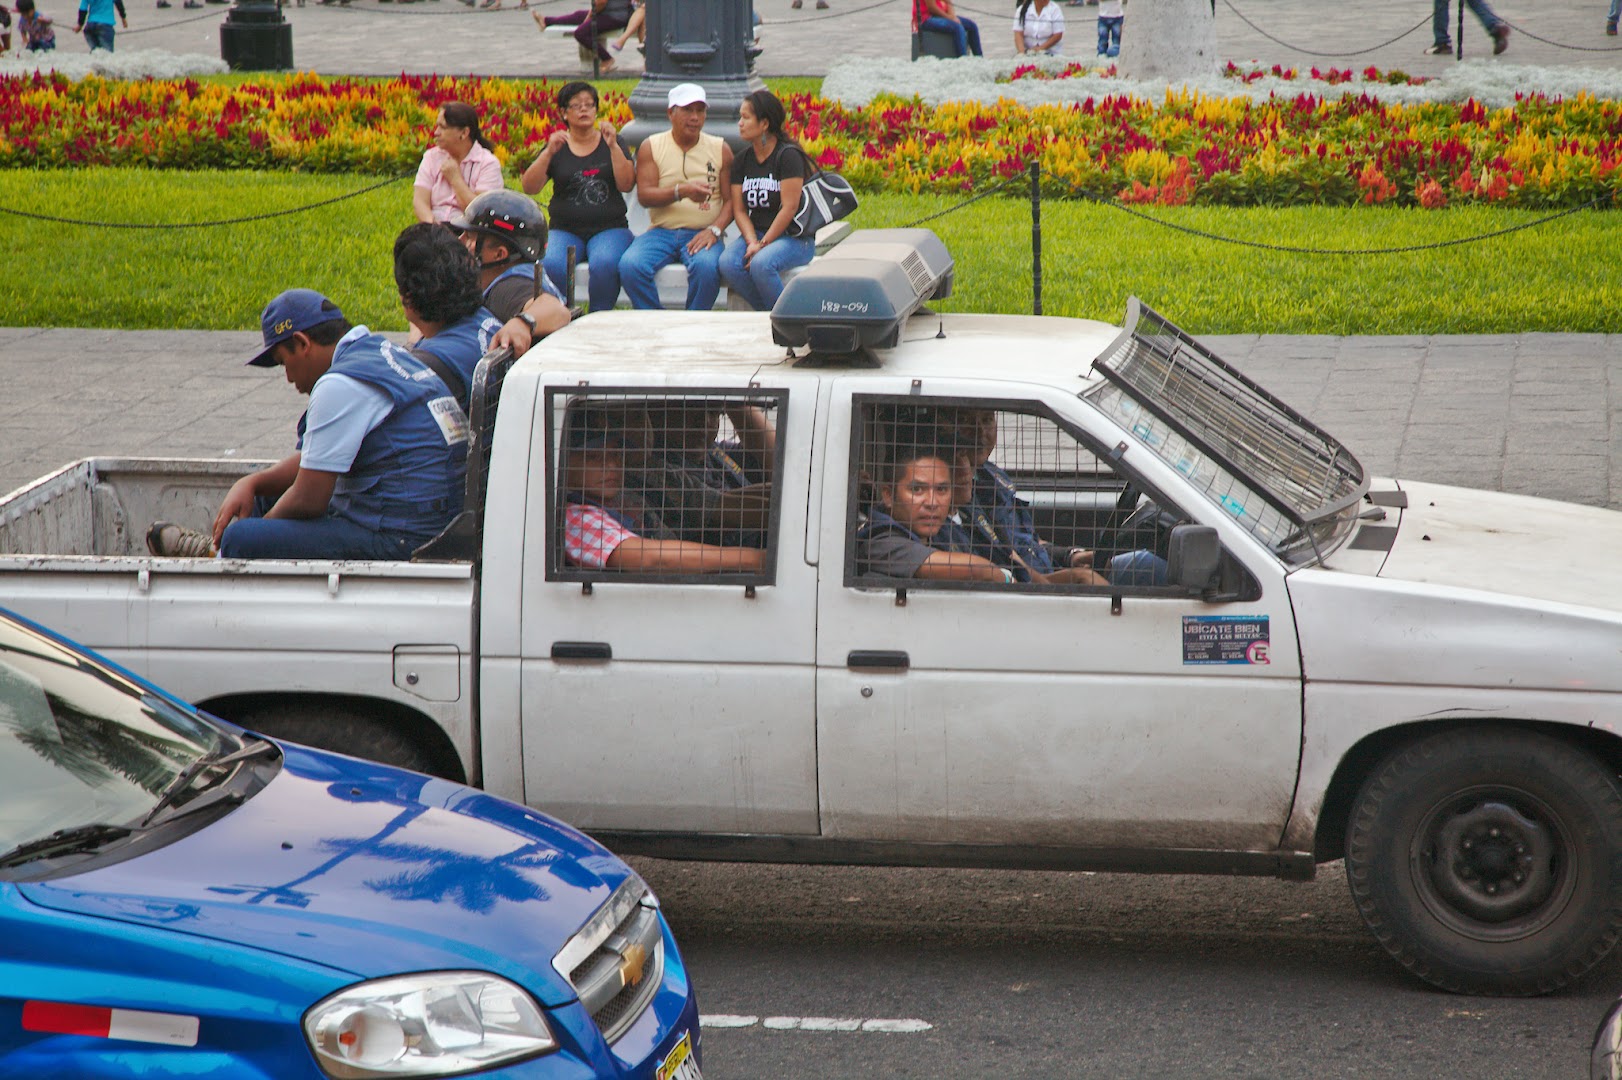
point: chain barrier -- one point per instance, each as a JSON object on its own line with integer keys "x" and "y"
{"x": 360, "y": 9}
{"x": 205, "y": 224}
{"x": 1292, "y": 250}
{"x": 1332, "y": 55}
{"x": 831, "y": 15}
{"x": 1561, "y": 44}
{"x": 970, "y": 201}
{"x": 174, "y": 22}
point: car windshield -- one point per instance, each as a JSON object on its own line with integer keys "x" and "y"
{"x": 1289, "y": 483}
{"x": 81, "y": 744}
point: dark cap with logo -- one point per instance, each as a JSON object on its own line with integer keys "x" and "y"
{"x": 292, "y": 311}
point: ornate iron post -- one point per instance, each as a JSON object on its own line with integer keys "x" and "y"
{"x": 709, "y": 42}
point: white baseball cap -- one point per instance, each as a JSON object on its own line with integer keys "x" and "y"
{"x": 686, "y": 94}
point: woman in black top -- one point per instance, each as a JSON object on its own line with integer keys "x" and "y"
{"x": 766, "y": 183}
{"x": 589, "y": 168}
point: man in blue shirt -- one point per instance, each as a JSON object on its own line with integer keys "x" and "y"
{"x": 378, "y": 469}
{"x": 96, "y": 20}
{"x": 439, "y": 290}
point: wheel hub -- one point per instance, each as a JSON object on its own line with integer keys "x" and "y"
{"x": 1491, "y": 862}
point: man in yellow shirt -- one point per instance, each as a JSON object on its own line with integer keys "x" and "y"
{"x": 683, "y": 178}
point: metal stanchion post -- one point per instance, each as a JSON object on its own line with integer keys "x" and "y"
{"x": 1458, "y": 36}
{"x": 1036, "y": 237}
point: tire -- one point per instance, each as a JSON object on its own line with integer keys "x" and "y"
{"x": 1489, "y": 861}
{"x": 342, "y": 729}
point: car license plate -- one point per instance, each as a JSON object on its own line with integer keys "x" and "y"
{"x": 680, "y": 1064}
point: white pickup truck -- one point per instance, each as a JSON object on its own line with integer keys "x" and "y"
{"x": 1207, "y": 642}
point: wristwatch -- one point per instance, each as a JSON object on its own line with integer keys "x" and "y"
{"x": 528, "y": 320}
{"x": 714, "y": 230}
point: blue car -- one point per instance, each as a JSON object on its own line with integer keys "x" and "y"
{"x": 179, "y": 897}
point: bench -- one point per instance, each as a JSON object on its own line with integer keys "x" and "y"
{"x": 934, "y": 43}
{"x": 672, "y": 280}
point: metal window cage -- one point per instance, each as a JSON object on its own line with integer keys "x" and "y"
{"x": 693, "y": 469}
{"x": 1288, "y": 482}
{"x": 1005, "y": 481}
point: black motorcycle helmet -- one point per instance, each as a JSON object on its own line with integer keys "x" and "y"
{"x": 510, "y": 217}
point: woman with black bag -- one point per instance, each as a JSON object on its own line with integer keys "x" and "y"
{"x": 767, "y": 180}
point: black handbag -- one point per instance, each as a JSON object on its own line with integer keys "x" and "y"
{"x": 825, "y": 197}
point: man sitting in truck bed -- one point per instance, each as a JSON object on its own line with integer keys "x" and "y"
{"x": 439, "y": 292}
{"x": 607, "y": 526}
{"x": 381, "y": 450}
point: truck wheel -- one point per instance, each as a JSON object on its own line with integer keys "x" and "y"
{"x": 340, "y": 729}
{"x": 1490, "y": 861}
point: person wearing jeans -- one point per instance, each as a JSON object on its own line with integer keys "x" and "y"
{"x": 1497, "y": 28}
{"x": 683, "y": 177}
{"x": 1611, "y": 17}
{"x": 96, "y": 21}
{"x": 942, "y": 16}
{"x": 590, "y": 169}
{"x": 767, "y": 179}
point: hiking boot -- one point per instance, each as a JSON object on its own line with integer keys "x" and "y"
{"x": 822, "y": 5}
{"x": 1610, "y": 29}
{"x": 167, "y": 540}
{"x": 795, "y": 5}
{"x": 1438, "y": 50}
{"x": 1500, "y": 38}
{"x": 164, "y": 4}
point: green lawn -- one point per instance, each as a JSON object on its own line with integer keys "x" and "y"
{"x": 1558, "y": 277}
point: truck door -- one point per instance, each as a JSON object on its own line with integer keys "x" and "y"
{"x": 668, "y": 613}
{"x": 1117, "y": 716}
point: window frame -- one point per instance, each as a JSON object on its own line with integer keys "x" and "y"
{"x": 1108, "y": 458}
{"x": 557, "y": 566}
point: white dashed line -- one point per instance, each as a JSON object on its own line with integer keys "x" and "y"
{"x": 816, "y": 1023}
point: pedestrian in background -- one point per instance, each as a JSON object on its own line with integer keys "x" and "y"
{"x": 1038, "y": 28}
{"x": 1496, "y": 28}
{"x": 1611, "y": 16}
{"x": 941, "y": 15}
{"x": 96, "y": 22}
{"x": 35, "y": 30}
{"x": 1110, "y": 17}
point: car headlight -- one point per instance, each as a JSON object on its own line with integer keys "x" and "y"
{"x": 437, "y": 1023}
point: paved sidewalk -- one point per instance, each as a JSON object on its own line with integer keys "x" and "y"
{"x": 1530, "y": 413}
{"x": 368, "y": 37}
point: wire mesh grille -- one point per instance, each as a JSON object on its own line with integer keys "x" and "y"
{"x": 673, "y": 486}
{"x": 1292, "y": 485}
{"x": 956, "y": 492}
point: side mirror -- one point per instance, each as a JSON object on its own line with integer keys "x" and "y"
{"x": 1193, "y": 558}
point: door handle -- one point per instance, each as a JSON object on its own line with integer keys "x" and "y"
{"x": 582, "y": 650}
{"x": 893, "y": 659}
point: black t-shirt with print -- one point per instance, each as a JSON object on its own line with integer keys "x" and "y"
{"x": 585, "y": 198}
{"x": 760, "y": 181}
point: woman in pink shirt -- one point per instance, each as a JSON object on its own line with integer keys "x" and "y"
{"x": 458, "y": 167}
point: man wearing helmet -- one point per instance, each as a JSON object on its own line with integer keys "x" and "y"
{"x": 506, "y": 232}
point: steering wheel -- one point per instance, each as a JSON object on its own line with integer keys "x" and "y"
{"x": 1129, "y": 535}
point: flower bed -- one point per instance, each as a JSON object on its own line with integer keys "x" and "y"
{"x": 1342, "y": 148}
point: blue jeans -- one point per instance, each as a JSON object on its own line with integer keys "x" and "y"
{"x": 761, "y": 282}
{"x": 658, "y": 248}
{"x": 1109, "y": 34}
{"x": 601, "y": 253}
{"x": 965, "y": 32}
{"x": 327, "y": 537}
{"x": 1137, "y": 568}
{"x": 1439, "y": 20}
{"x": 1616, "y": 11}
{"x": 99, "y": 35}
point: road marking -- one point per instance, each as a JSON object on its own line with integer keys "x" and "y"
{"x": 816, "y": 1023}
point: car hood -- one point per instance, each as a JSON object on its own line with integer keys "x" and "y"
{"x": 367, "y": 869}
{"x": 1513, "y": 545}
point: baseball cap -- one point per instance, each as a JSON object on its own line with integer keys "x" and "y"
{"x": 292, "y": 311}
{"x": 686, "y": 94}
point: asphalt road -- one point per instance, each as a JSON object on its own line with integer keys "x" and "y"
{"x": 1085, "y": 975}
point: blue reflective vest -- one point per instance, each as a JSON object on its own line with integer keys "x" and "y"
{"x": 951, "y": 537}
{"x": 407, "y": 476}
{"x": 462, "y": 344}
{"x": 1000, "y": 525}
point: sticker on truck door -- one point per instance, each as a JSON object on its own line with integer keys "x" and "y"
{"x": 1225, "y": 639}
